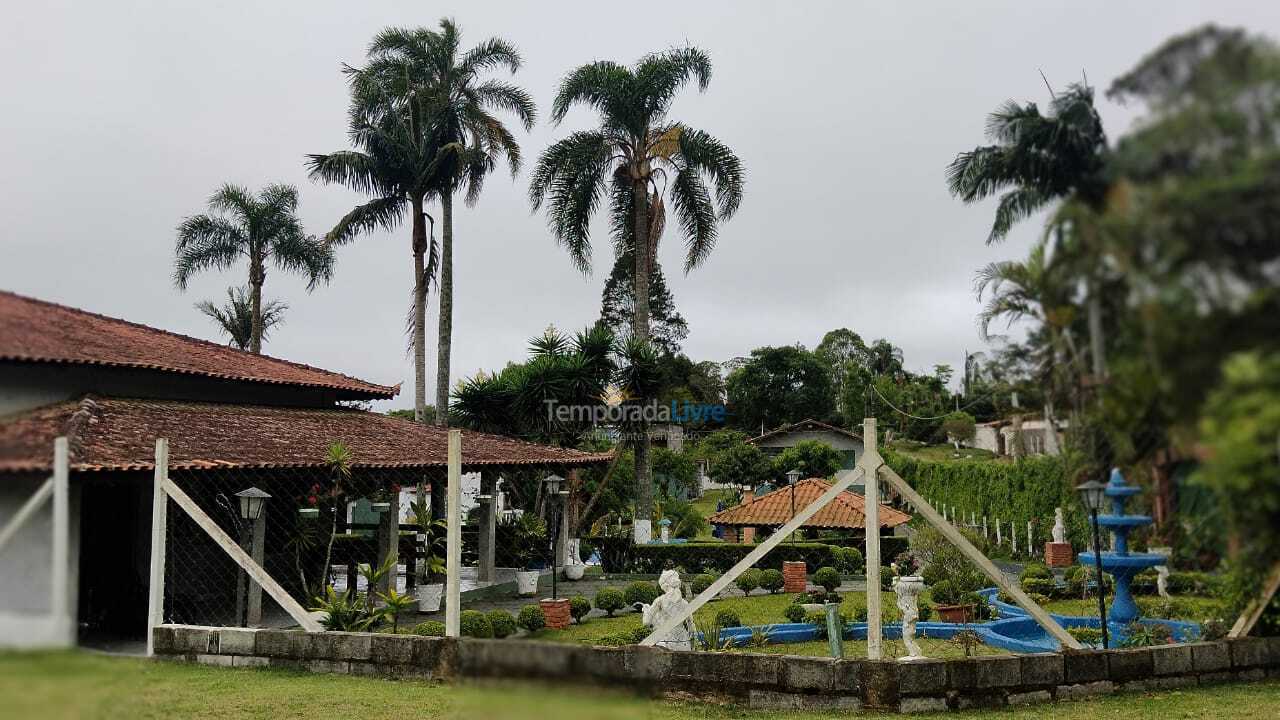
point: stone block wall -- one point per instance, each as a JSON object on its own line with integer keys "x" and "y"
{"x": 751, "y": 679}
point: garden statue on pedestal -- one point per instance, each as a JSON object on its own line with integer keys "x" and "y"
{"x": 1058, "y": 553}
{"x": 1059, "y": 527}
{"x": 908, "y": 589}
{"x": 668, "y": 605}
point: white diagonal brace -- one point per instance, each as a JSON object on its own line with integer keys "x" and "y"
{"x": 1244, "y": 624}
{"x": 977, "y": 558}
{"x": 25, "y": 512}
{"x": 752, "y": 558}
{"x": 246, "y": 563}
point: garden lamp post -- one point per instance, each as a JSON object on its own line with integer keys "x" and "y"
{"x": 252, "y": 502}
{"x": 1092, "y": 495}
{"x": 553, "y": 490}
{"x": 793, "y": 477}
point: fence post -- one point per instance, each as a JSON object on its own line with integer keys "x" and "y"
{"x": 452, "y": 608}
{"x": 488, "y": 525}
{"x": 870, "y": 462}
{"x": 159, "y": 521}
{"x": 59, "y": 603}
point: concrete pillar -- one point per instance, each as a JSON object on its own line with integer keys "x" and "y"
{"x": 488, "y": 525}
{"x": 389, "y": 543}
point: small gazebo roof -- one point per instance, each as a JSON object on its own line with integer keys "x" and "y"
{"x": 847, "y": 511}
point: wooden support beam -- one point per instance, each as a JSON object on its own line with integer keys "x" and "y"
{"x": 977, "y": 558}
{"x": 159, "y": 524}
{"x": 29, "y": 508}
{"x": 868, "y": 463}
{"x": 60, "y": 557}
{"x": 453, "y": 561}
{"x": 1244, "y": 624}
{"x": 753, "y": 557}
{"x": 241, "y": 558}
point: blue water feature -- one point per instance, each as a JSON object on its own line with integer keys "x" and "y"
{"x": 1120, "y": 563}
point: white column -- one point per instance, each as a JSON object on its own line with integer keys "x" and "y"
{"x": 453, "y": 565}
{"x": 870, "y": 462}
{"x": 59, "y": 589}
{"x": 159, "y": 521}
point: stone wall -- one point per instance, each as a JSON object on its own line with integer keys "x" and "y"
{"x": 756, "y": 680}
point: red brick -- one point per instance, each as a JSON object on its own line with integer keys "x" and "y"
{"x": 556, "y": 613}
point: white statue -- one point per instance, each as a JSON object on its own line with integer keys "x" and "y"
{"x": 1162, "y": 571}
{"x": 1059, "y": 527}
{"x": 908, "y": 590}
{"x": 669, "y": 605}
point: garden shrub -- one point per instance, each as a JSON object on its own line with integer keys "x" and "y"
{"x": 771, "y": 580}
{"x": 926, "y": 610}
{"x": 430, "y": 628}
{"x": 1042, "y": 586}
{"x": 614, "y": 640}
{"x": 749, "y": 580}
{"x": 504, "y": 625}
{"x": 794, "y": 613}
{"x": 642, "y": 592}
{"x": 579, "y": 606}
{"x": 945, "y": 592}
{"x": 851, "y": 560}
{"x": 728, "y": 619}
{"x": 531, "y": 618}
{"x": 1138, "y": 634}
{"x": 639, "y": 634}
{"x": 1087, "y": 636}
{"x": 1214, "y": 629}
{"x": 610, "y": 600}
{"x": 828, "y": 578}
{"x": 1195, "y": 583}
{"x": 718, "y": 557}
{"x": 473, "y": 623}
{"x": 886, "y": 578}
{"x": 1036, "y": 570}
{"x": 701, "y": 582}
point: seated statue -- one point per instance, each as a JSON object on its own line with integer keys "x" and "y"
{"x": 669, "y": 605}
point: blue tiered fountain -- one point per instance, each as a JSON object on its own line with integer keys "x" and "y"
{"x": 1122, "y": 564}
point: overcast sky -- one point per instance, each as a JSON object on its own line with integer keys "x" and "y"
{"x": 121, "y": 118}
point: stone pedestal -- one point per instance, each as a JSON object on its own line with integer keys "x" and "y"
{"x": 795, "y": 577}
{"x": 1058, "y": 554}
{"x": 556, "y": 613}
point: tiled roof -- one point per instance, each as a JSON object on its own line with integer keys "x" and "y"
{"x": 120, "y": 434}
{"x": 806, "y": 425}
{"x": 37, "y": 331}
{"x": 774, "y": 508}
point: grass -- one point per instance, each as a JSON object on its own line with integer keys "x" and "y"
{"x": 1181, "y": 607}
{"x": 942, "y": 453}
{"x": 79, "y": 685}
{"x": 706, "y": 506}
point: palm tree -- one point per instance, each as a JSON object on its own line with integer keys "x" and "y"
{"x": 235, "y": 318}
{"x": 1036, "y": 160}
{"x": 263, "y": 228}
{"x": 394, "y": 164}
{"x": 429, "y": 70}
{"x": 635, "y": 155}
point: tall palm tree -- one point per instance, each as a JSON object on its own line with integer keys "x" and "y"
{"x": 637, "y": 155}
{"x": 1037, "y": 160}
{"x": 235, "y": 318}
{"x": 394, "y": 164}
{"x": 428, "y": 69}
{"x": 263, "y": 229}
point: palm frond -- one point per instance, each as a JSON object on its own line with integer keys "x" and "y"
{"x": 295, "y": 251}
{"x": 704, "y": 154}
{"x": 385, "y": 213}
{"x": 697, "y": 216}
{"x": 599, "y": 85}
{"x": 206, "y": 243}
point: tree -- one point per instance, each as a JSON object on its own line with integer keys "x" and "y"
{"x": 777, "y": 386}
{"x": 635, "y": 153}
{"x": 262, "y": 229}
{"x": 845, "y": 355}
{"x": 235, "y": 318}
{"x": 1036, "y": 160}
{"x": 428, "y": 69}
{"x": 960, "y": 427}
{"x": 394, "y": 164}
{"x": 744, "y": 465}
{"x": 617, "y": 306}
{"x": 813, "y": 458}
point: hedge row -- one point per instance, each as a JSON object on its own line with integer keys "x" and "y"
{"x": 620, "y": 555}
{"x": 1027, "y": 489}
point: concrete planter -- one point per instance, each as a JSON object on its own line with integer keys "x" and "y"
{"x": 574, "y": 572}
{"x": 527, "y": 582}
{"x": 429, "y": 596}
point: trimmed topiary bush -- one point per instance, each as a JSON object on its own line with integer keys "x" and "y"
{"x": 926, "y": 610}
{"x": 851, "y": 560}
{"x": 504, "y": 624}
{"x": 700, "y": 583}
{"x": 1037, "y": 585}
{"x": 828, "y": 578}
{"x": 473, "y": 623}
{"x": 772, "y": 580}
{"x": 1036, "y": 570}
{"x": 728, "y": 619}
{"x": 640, "y": 592}
{"x": 579, "y": 606}
{"x": 794, "y": 613}
{"x": 886, "y": 578}
{"x": 610, "y": 599}
{"x": 531, "y": 618}
{"x": 748, "y": 581}
{"x": 430, "y": 628}
{"x": 640, "y": 633}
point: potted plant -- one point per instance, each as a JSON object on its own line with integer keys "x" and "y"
{"x": 529, "y": 547}
{"x": 949, "y": 601}
{"x": 433, "y": 536}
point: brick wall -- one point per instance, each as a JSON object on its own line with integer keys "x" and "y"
{"x": 755, "y": 680}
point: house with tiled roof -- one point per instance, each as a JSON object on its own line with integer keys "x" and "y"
{"x": 232, "y": 419}
{"x": 846, "y": 442}
{"x": 846, "y": 512}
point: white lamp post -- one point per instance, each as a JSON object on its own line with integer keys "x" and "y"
{"x": 252, "y": 502}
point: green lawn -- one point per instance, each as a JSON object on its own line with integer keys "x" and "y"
{"x": 942, "y": 453}
{"x": 706, "y": 505}
{"x": 78, "y": 685}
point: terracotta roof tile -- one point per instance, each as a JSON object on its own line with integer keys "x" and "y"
{"x": 37, "y": 331}
{"x": 774, "y": 509}
{"x": 804, "y": 425}
{"x": 120, "y": 434}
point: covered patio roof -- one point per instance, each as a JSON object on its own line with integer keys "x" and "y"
{"x": 114, "y": 434}
{"x": 845, "y": 512}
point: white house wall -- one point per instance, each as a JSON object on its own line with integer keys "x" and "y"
{"x": 25, "y": 566}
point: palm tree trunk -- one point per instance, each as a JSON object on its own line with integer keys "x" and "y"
{"x": 446, "y": 310}
{"x": 1097, "y": 351}
{"x": 640, "y": 328}
{"x": 257, "y": 276}
{"x": 419, "y": 312}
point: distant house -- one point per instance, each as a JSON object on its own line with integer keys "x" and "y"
{"x": 774, "y": 509}
{"x": 1000, "y": 437}
{"x": 233, "y": 420}
{"x": 848, "y": 443}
